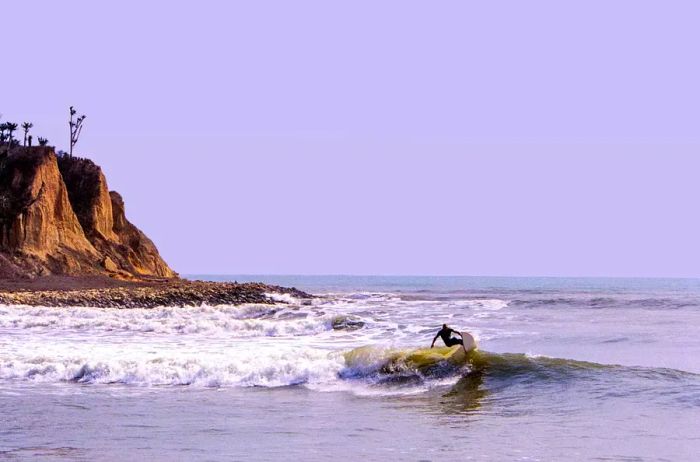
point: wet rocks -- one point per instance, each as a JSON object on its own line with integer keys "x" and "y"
{"x": 171, "y": 293}
{"x": 347, "y": 323}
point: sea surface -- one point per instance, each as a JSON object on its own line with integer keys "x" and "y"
{"x": 573, "y": 370}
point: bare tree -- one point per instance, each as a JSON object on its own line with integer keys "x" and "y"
{"x": 26, "y": 126}
{"x": 76, "y": 126}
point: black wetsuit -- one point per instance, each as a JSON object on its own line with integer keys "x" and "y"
{"x": 446, "y": 336}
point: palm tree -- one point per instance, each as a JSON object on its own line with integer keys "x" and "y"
{"x": 10, "y": 127}
{"x": 43, "y": 141}
{"x": 26, "y": 126}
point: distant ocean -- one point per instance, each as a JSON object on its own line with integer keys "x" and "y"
{"x": 577, "y": 369}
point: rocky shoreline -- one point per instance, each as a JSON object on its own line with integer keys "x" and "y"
{"x": 172, "y": 293}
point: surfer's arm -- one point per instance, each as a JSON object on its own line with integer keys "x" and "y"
{"x": 452, "y": 331}
{"x": 436, "y": 337}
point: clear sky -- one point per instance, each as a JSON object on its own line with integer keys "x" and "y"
{"x": 554, "y": 138}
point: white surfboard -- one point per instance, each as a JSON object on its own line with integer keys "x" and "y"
{"x": 469, "y": 341}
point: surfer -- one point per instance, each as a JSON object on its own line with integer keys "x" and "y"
{"x": 446, "y": 335}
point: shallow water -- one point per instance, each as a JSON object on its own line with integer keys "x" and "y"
{"x": 568, "y": 369}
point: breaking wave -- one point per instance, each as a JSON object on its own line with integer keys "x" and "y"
{"x": 360, "y": 371}
{"x": 247, "y": 321}
{"x": 312, "y": 345}
{"x": 252, "y": 368}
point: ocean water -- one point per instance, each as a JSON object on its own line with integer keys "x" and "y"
{"x": 569, "y": 369}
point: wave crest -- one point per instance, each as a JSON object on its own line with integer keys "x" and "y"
{"x": 270, "y": 369}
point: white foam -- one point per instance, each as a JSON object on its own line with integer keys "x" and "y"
{"x": 536, "y": 355}
{"x": 100, "y": 364}
{"x": 368, "y": 388}
{"x": 223, "y": 320}
{"x": 281, "y": 298}
{"x": 220, "y": 365}
{"x": 487, "y": 305}
{"x": 221, "y": 346}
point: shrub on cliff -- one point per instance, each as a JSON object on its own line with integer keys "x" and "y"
{"x": 15, "y": 196}
{"x": 82, "y": 179}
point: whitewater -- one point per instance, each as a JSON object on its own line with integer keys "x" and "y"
{"x": 574, "y": 369}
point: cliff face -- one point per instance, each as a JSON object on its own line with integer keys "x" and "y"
{"x": 103, "y": 219}
{"x": 134, "y": 248}
{"x": 89, "y": 195}
{"x": 57, "y": 216}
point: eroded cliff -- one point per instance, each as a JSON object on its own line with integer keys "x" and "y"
{"x": 57, "y": 216}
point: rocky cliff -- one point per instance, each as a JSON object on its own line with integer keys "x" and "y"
{"x": 58, "y": 217}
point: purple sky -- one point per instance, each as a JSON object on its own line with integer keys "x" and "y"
{"x": 478, "y": 138}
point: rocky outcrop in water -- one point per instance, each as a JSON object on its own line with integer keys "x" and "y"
{"x": 58, "y": 217}
{"x": 174, "y": 293}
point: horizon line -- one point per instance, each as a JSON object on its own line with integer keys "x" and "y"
{"x": 434, "y": 276}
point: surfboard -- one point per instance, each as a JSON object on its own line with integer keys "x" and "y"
{"x": 469, "y": 341}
